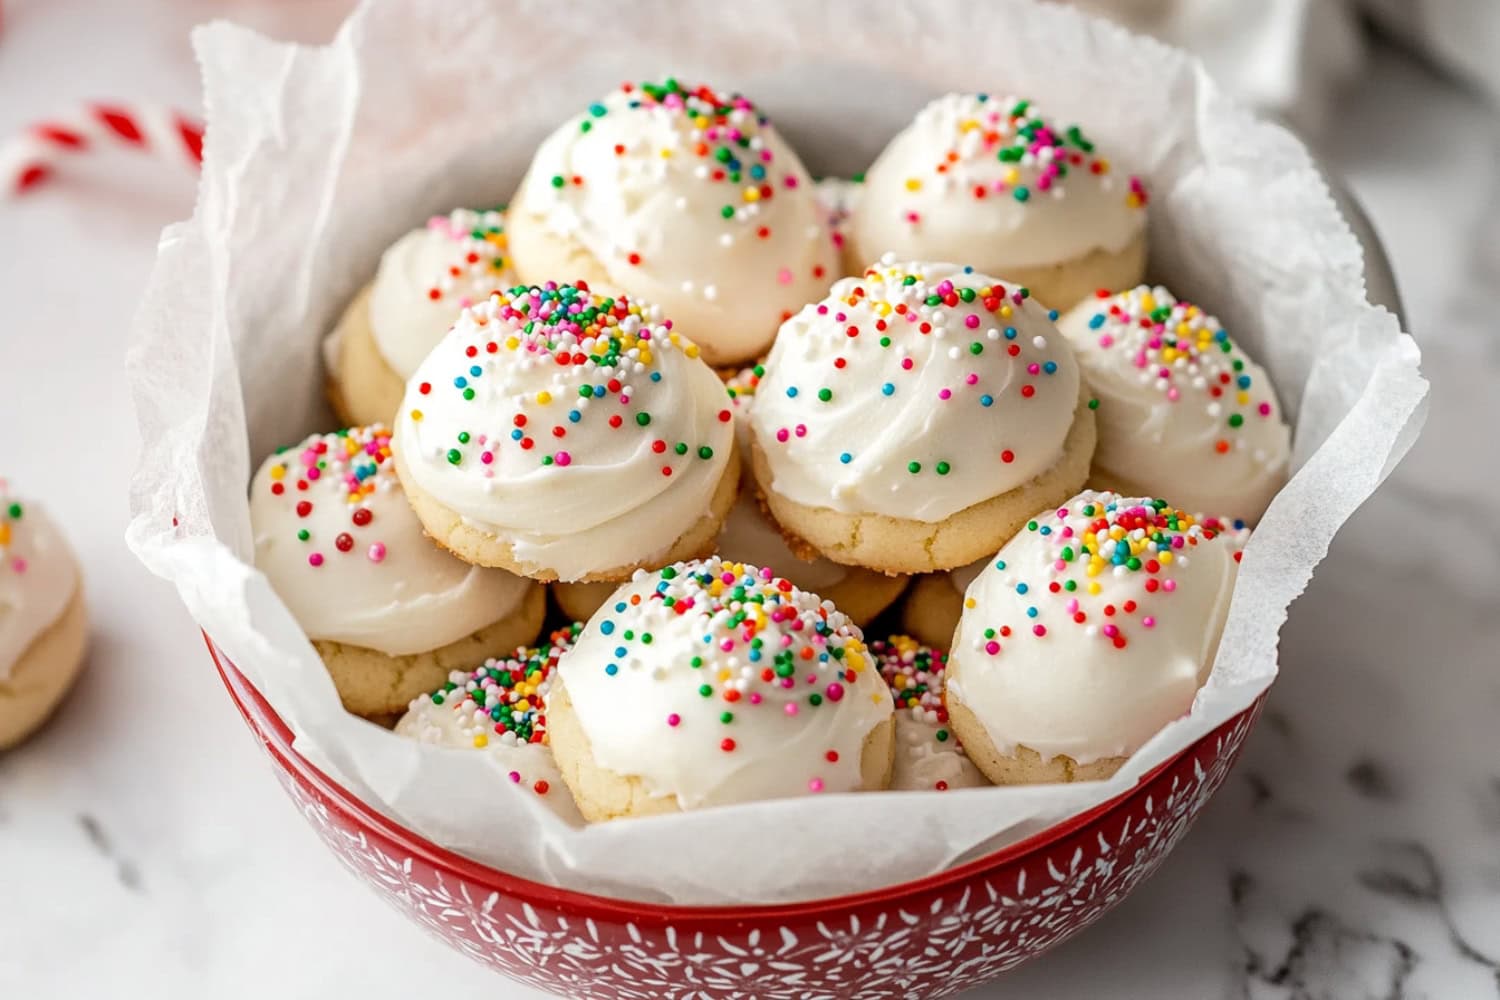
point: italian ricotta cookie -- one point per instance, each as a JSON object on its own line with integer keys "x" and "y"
{"x": 424, "y": 279}
{"x": 567, "y": 435}
{"x": 928, "y": 754}
{"x": 1183, "y": 411}
{"x": 713, "y": 682}
{"x": 682, "y": 196}
{"x": 935, "y": 601}
{"x": 916, "y": 417}
{"x": 389, "y": 612}
{"x": 500, "y": 707}
{"x": 43, "y": 621}
{"x": 1092, "y": 629}
{"x": 990, "y": 182}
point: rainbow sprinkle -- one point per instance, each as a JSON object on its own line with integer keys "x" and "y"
{"x": 915, "y": 674}
{"x": 11, "y": 513}
{"x": 504, "y": 701}
{"x": 358, "y": 459}
{"x": 480, "y": 249}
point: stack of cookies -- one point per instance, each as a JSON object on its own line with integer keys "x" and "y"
{"x": 733, "y": 418}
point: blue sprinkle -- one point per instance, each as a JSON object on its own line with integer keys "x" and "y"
{"x": 888, "y": 389}
{"x": 1046, "y": 529}
{"x": 1052, "y": 315}
{"x": 754, "y": 656}
{"x": 516, "y": 434}
{"x": 791, "y": 392}
{"x": 1021, "y": 588}
{"x": 574, "y": 416}
{"x": 620, "y": 607}
{"x": 460, "y": 382}
{"x": 1010, "y": 333}
{"x": 597, "y": 110}
{"x": 999, "y": 563}
{"x": 1243, "y": 381}
{"x": 476, "y": 371}
{"x": 1096, "y": 321}
{"x": 608, "y": 626}
{"x": 758, "y": 172}
{"x": 1050, "y": 367}
{"x": 621, "y": 652}
{"x": 1031, "y": 612}
{"x": 846, "y": 458}
{"x": 968, "y": 269}
{"x": 656, "y": 376}
{"x": 986, "y": 400}
{"x": 612, "y": 669}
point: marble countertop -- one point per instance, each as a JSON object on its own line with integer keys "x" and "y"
{"x": 146, "y": 850}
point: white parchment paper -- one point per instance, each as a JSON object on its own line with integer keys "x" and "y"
{"x": 317, "y": 158}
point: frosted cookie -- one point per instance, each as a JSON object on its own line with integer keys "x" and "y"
{"x": 685, "y": 197}
{"x": 989, "y": 182}
{"x": 43, "y": 620}
{"x": 928, "y": 754}
{"x": 916, "y": 417}
{"x": 1092, "y": 629}
{"x": 424, "y": 279}
{"x": 500, "y": 707}
{"x": 712, "y": 682}
{"x": 389, "y": 612}
{"x": 1183, "y": 411}
{"x": 933, "y": 603}
{"x": 567, "y": 435}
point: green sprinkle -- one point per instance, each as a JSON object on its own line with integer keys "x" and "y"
{"x": 825, "y": 394}
{"x": 454, "y": 456}
{"x": 942, "y": 468}
{"x": 705, "y": 452}
{"x": 643, "y": 418}
{"x": 557, "y": 180}
{"x": 914, "y": 467}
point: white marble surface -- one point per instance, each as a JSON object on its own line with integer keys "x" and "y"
{"x": 146, "y": 851}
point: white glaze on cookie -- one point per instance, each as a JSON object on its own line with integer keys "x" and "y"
{"x": 430, "y": 274}
{"x": 688, "y": 198}
{"x": 988, "y": 181}
{"x": 1183, "y": 412}
{"x": 577, "y": 427}
{"x": 1094, "y": 627}
{"x": 914, "y": 391}
{"x": 38, "y": 575}
{"x": 342, "y": 548}
{"x": 716, "y": 682}
{"x": 928, "y": 754}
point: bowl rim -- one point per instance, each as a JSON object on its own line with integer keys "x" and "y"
{"x": 277, "y": 739}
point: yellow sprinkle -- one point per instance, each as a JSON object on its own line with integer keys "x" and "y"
{"x": 1164, "y": 558}
{"x": 511, "y": 343}
{"x": 724, "y": 675}
{"x": 481, "y": 741}
{"x": 1005, "y": 311}
{"x": 278, "y": 472}
{"x": 4, "y": 533}
{"x": 1094, "y": 587}
{"x": 416, "y": 414}
{"x": 691, "y": 350}
{"x": 544, "y": 397}
{"x": 1242, "y": 397}
{"x": 751, "y": 194}
{"x": 913, "y": 184}
{"x": 1012, "y": 177}
{"x": 666, "y": 154}
{"x": 969, "y": 602}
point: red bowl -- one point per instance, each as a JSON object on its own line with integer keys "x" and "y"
{"x": 932, "y": 937}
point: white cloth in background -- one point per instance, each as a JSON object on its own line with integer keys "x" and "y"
{"x": 1290, "y": 57}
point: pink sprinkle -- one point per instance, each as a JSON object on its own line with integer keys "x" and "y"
{"x": 1173, "y": 395}
{"x": 377, "y": 552}
{"x": 18, "y": 564}
{"x": 727, "y": 645}
{"x": 945, "y": 393}
{"x": 674, "y": 719}
{"x": 1264, "y": 409}
{"x": 755, "y": 698}
{"x": 802, "y": 430}
{"x": 815, "y": 785}
{"x": 835, "y": 692}
{"x": 971, "y": 321}
{"x": 972, "y": 378}
{"x": 1148, "y": 622}
{"x": 314, "y": 473}
{"x": 1177, "y": 542}
{"x": 906, "y": 364}
{"x": 784, "y": 276}
{"x": 1106, "y": 340}
{"x": 791, "y": 706}
{"x": 1034, "y": 368}
{"x": 515, "y": 776}
{"x": 486, "y": 457}
{"x": 782, "y": 435}
{"x": 625, "y": 399}
{"x": 992, "y": 647}
{"x": 1111, "y": 630}
{"x": 1169, "y": 585}
{"x": 316, "y": 559}
{"x": 1039, "y": 630}
{"x": 563, "y": 458}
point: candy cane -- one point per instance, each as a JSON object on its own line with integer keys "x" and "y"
{"x": 32, "y": 157}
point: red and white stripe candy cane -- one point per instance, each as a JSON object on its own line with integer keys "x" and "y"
{"x": 32, "y": 157}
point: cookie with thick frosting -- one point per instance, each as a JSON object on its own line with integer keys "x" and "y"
{"x": 389, "y": 612}
{"x": 425, "y": 278}
{"x": 1086, "y": 634}
{"x": 929, "y": 756}
{"x": 567, "y": 435}
{"x": 684, "y": 196}
{"x": 500, "y": 707}
{"x": 1183, "y": 411}
{"x": 914, "y": 418}
{"x": 713, "y": 682}
{"x": 990, "y": 182}
{"x": 43, "y": 620}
